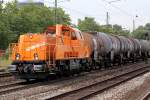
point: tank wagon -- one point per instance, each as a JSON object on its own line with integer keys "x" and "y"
{"x": 145, "y": 49}
{"x": 63, "y": 50}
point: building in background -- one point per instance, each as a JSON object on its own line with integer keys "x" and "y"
{"x": 30, "y": 2}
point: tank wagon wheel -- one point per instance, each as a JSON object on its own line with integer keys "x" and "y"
{"x": 99, "y": 64}
{"x": 86, "y": 65}
{"x": 121, "y": 59}
{"x": 146, "y": 58}
{"x": 111, "y": 59}
{"x": 27, "y": 80}
{"x": 94, "y": 67}
{"x": 134, "y": 58}
{"x": 106, "y": 63}
{"x": 102, "y": 64}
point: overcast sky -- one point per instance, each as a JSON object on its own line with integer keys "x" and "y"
{"x": 120, "y": 12}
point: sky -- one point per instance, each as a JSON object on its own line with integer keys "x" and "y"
{"x": 121, "y": 12}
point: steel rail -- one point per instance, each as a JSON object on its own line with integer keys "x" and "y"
{"x": 98, "y": 87}
{"x": 146, "y": 97}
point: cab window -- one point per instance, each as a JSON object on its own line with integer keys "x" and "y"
{"x": 73, "y": 36}
{"x": 65, "y": 33}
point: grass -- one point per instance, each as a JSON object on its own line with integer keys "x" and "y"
{"x": 4, "y": 62}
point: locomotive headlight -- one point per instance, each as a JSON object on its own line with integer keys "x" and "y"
{"x": 17, "y": 56}
{"x": 31, "y": 36}
{"x": 36, "y": 56}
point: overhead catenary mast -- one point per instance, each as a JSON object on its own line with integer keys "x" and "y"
{"x": 107, "y": 18}
{"x": 55, "y": 11}
{"x": 1, "y": 1}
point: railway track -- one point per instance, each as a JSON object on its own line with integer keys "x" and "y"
{"x": 2, "y": 70}
{"x": 146, "y": 97}
{"x": 99, "y": 87}
{"x": 13, "y": 87}
{"x": 5, "y": 74}
{"x": 10, "y": 85}
{"x": 6, "y": 89}
{"x": 9, "y": 88}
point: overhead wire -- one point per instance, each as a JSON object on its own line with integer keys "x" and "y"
{"x": 118, "y": 8}
{"x": 114, "y": 1}
{"x": 54, "y": 2}
{"x": 123, "y": 11}
{"x": 74, "y": 10}
{"x": 83, "y": 13}
{"x": 86, "y": 14}
{"x": 79, "y": 12}
{"x": 132, "y": 16}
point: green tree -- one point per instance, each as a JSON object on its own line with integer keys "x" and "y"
{"x": 106, "y": 28}
{"x": 118, "y": 30}
{"x": 142, "y": 32}
{"x": 88, "y": 24}
{"x": 31, "y": 18}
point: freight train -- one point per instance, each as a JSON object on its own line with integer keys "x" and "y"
{"x": 64, "y": 50}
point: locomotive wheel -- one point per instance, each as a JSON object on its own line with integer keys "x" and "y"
{"x": 67, "y": 71}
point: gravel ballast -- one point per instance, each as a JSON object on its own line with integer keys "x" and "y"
{"x": 126, "y": 90}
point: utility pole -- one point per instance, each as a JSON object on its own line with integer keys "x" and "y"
{"x": 1, "y": 1}
{"x": 133, "y": 24}
{"x": 55, "y": 11}
{"x": 134, "y": 19}
{"x": 107, "y": 18}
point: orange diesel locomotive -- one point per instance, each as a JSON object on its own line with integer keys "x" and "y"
{"x": 60, "y": 49}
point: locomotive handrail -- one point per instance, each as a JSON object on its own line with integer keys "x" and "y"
{"x": 12, "y": 46}
{"x": 54, "y": 55}
{"x": 49, "y": 53}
